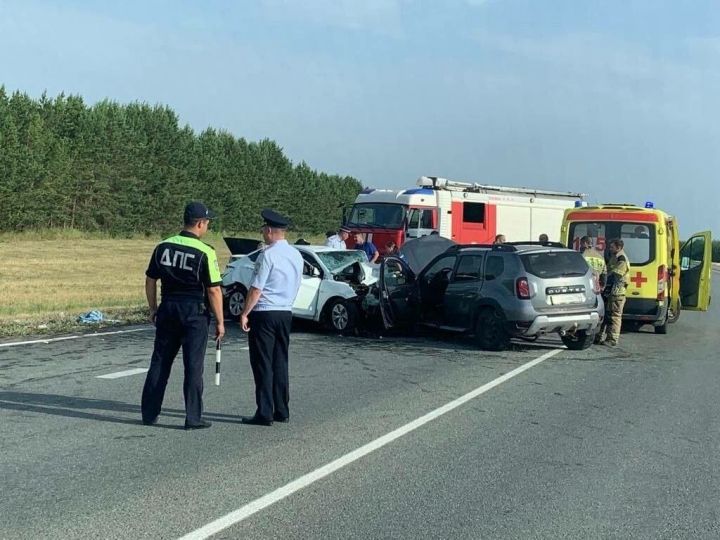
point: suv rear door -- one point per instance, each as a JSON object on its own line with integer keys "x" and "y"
{"x": 561, "y": 280}
{"x": 696, "y": 272}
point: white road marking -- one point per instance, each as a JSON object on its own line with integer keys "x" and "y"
{"x": 125, "y": 373}
{"x": 279, "y": 494}
{"x": 66, "y": 338}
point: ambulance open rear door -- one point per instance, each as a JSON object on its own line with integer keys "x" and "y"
{"x": 696, "y": 272}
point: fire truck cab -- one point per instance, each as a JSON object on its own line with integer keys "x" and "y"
{"x": 665, "y": 277}
{"x": 464, "y": 212}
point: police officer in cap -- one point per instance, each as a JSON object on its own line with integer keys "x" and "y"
{"x": 267, "y": 317}
{"x": 188, "y": 271}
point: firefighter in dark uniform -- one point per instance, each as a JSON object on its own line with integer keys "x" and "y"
{"x": 267, "y": 317}
{"x": 190, "y": 277}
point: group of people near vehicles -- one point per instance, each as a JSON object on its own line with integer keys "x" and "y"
{"x": 612, "y": 276}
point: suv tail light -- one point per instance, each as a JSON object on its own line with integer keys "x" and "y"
{"x": 522, "y": 287}
{"x": 596, "y": 283}
{"x": 662, "y": 278}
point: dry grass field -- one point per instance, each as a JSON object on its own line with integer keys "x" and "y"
{"x": 48, "y": 279}
{"x": 44, "y": 282}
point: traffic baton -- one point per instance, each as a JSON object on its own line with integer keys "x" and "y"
{"x": 218, "y": 354}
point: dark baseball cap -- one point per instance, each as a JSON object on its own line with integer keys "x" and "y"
{"x": 197, "y": 210}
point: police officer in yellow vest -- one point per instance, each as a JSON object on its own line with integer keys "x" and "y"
{"x": 188, "y": 271}
{"x": 595, "y": 259}
{"x": 615, "y": 288}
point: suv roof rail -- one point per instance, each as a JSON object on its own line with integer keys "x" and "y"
{"x": 495, "y": 247}
{"x": 536, "y": 243}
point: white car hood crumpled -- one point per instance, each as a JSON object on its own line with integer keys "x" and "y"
{"x": 371, "y": 272}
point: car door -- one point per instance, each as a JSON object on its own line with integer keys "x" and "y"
{"x": 433, "y": 282}
{"x": 305, "y": 305}
{"x": 463, "y": 291}
{"x": 696, "y": 272}
{"x": 398, "y": 293}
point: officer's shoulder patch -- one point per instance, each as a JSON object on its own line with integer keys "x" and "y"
{"x": 622, "y": 258}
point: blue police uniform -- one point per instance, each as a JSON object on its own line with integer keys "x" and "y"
{"x": 186, "y": 267}
{"x": 278, "y": 273}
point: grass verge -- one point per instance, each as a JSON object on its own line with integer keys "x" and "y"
{"x": 49, "y": 278}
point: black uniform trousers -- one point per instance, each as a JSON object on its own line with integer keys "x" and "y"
{"x": 179, "y": 323}
{"x": 269, "y": 339}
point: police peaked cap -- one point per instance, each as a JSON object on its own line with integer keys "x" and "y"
{"x": 273, "y": 219}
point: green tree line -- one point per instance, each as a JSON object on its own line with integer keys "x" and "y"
{"x": 130, "y": 168}
{"x": 716, "y": 251}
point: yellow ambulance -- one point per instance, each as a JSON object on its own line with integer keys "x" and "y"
{"x": 665, "y": 277}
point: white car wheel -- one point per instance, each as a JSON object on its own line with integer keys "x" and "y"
{"x": 340, "y": 316}
{"x": 236, "y": 302}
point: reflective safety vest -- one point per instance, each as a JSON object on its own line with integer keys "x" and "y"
{"x": 596, "y": 261}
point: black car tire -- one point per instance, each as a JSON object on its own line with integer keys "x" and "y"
{"x": 341, "y": 316}
{"x": 235, "y": 302}
{"x": 579, "y": 341}
{"x": 491, "y": 330}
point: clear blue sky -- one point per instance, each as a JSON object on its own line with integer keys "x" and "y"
{"x": 619, "y": 99}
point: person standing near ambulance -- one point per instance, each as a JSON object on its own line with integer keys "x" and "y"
{"x": 617, "y": 281}
{"x": 267, "y": 317}
{"x": 190, "y": 278}
{"x": 595, "y": 260}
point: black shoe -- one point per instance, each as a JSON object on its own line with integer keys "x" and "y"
{"x": 150, "y": 422}
{"x": 202, "y": 424}
{"x": 256, "y": 421}
{"x": 283, "y": 419}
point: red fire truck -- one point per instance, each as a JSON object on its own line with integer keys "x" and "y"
{"x": 467, "y": 213}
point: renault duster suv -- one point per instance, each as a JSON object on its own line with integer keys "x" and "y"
{"x": 496, "y": 292}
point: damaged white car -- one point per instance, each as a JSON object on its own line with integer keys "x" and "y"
{"x": 332, "y": 288}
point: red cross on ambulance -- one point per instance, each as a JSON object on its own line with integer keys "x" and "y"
{"x": 638, "y": 279}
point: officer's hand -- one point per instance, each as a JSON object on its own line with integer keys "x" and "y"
{"x": 152, "y": 317}
{"x": 219, "y": 331}
{"x": 244, "y": 323}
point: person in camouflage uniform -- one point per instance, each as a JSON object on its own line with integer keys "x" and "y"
{"x": 617, "y": 281}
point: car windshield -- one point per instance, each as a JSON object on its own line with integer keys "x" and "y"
{"x": 554, "y": 264}
{"x": 337, "y": 260}
{"x": 381, "y": 215}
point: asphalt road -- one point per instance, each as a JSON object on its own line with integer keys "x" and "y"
{"x": 604, "y": 443}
